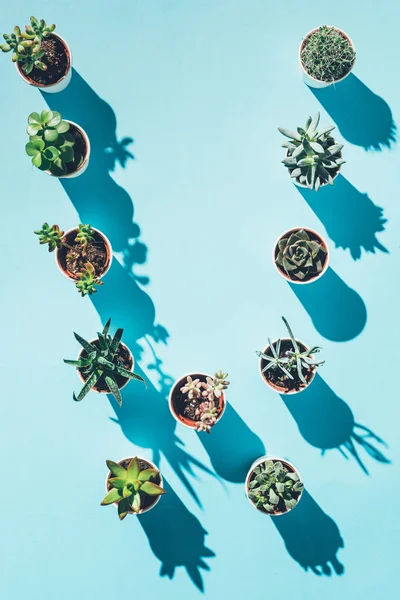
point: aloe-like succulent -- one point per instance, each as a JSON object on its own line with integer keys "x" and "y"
{"x": 129, "y": 486}
{"x": 290, "y": 362}
{"x": 50, "y": 144}
{"x": 101, "y": 360}
{"x": 201, "y": 395}
{"x": 299, "y": 256}
{"x": 327, "y": 55}
{"x": 26, "y": 45}
{"x": 274, "y": 488}
{"x": 313, "y": 156}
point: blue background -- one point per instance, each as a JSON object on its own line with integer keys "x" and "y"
{"x": 195, "y": 92}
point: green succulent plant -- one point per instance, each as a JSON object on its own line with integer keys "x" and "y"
{"x": 313, "y": 157}
{"x": 101, "y": 360}
{"x": 299, "y": 256}
{"x": 85, "y": 235}
{"x": 51, "y": 235}
{"x": 26, "y": 45}
{"x": 129, "y": 486}
{"x": 88, "y": 280}
{"x": 50, "y": 145}
{"x": 290, "y": 361}
{"x": 327, "y": 55}
{"x": 274, "y": 488}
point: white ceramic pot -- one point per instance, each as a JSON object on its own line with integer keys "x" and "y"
{"x": 276, "y": 388}
{"x": 107, "y": 243}
{"x": 94, "y": 389}
{"x": 152, "y": 466}
{"x": 326, "y": 264}
{"x": 62, "y": 83}
{"x": 181, "y": 419}
{"x": 255, "y": 464}
{"x": 316, "y": 83}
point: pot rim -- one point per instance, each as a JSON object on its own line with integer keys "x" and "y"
{"x": 264, "y": 459}
{"x": 83, "y": 380}
{"x": 150, "y": 462}
{"x": 30, "y": 81}
{"x": 86, "y": 158}
{"x": 276, "y": 389}
{"x": 171, "y": 405}
{"x": 107, "y": 245}
{"x": 326, "y": 264}
{"x": 302, "y": 45}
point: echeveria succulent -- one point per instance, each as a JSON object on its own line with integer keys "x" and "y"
{"x": 274, "y": 487}
{"x": 129, "y": 486}
{"x": 299, "y": 256}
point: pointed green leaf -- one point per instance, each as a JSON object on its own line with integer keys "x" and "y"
{"x": 133, "y": 470}
{"x": 116, "y": 469}
{"x": 91, "y": 381}
{"x": 117, "y": 482}
{"x": 152, "y": 489}
{"x": 113, "y": 495}
{"x": 114, "y": 389}
{"x": 147, "y": 474}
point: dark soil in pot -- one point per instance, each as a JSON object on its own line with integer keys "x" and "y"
{"x": 278, "y": 379}
{"x": 145, "y": 500}
{"x": 56, "y": 58}
{"x": 124, "y": 359}
{"x": 73, "y": 260}
{"x": 185, "y": 409}
{"x": 323, "y": 257}
{"x": 280, "y": 507}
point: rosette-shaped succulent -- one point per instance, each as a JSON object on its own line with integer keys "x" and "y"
{"x": 299, "y": 256}
{"x": 274, "y": 488}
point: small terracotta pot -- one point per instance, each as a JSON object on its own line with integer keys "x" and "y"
{"x": 323, "y": 243}
{"x": 59, "y": 85}
{"x": 219, "y": 402}
{"x": 260, "y": 461}
{"x": 70, "y": 235}
{"x": 316, "y": 83}
{"x": 151, "y": 466}
{"x": 323, "y": 184}
{"x": 286, "y": 391}
{"x": 120, "y": 384}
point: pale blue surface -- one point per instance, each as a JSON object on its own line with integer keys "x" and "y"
{"x": 201, "y": 87}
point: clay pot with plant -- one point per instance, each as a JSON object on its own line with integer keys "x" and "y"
{"x": 134, "y": 485}
{"x": 287, "y": 365}
{"x": 83, "y": 254}
{"x": 301, "y": 255}
{"x": 198, "y": 401}
{"x": 273, "y": 486}
{"x": 313, "y": 157}
{"x": 104, "y": 364}
{"x": 58, "y": 147}
{"x": 43, "y": 59}
{"x": 327, "y": 56}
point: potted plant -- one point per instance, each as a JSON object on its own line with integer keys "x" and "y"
{"x": 287, "y": 365}
{"x": 313, "y": 157}
{"x": 60, "y": 148}
{"x": 273, "y": 486}
{"x": 134, "y": 485}
{"x": 198, "y": 401}
{"x": 327, "y": 56}
{"x": 301, "y": 255}
{"x": 104, "y": 364}
{"x": 43, "y": 58}
{"x": 83, "y": 254}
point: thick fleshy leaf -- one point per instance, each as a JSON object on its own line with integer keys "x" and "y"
{"x": 46, "y": 115}
{"x": 273, "y": 497}
{"x": 56, "y": 119}
{"x": 147, "y": 474}
{"x": 113, "y": 495}
{"x": 114, "y": 389}
{"x": 317, "y": 147}
{"x": 86, "y": 345}
{"x": 133, "y": 470}
{"x": 116, "y": 469}
{"x": 106, "y": 327}
{"x": 115, "y": 341}
{"x": 68, "y": 139}
{"x": 58, "y": 168}
{"x": 293, "y": 135}
{"x": 152, "y": 489}
{"x": 50, "y": 135}
{"x": 32, "y": 148}
{"x": 32, "y": 129}
{"x": 135, "y": 503}
{"x": 91, "y": 381}
{"x": 67, "y": 153}
{"x": 51, "y": 153}
{"x": 123, "y": 508}
{"x": 62, "y": 127}
{"x": 117, "y": 482}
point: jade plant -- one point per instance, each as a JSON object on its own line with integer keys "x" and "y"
{"x": 130, "y": 486}
{"x": 201, "y": 395}
{"x": 102, "y": 363}
{"x": 299, "y": 256}
{"x": 274, "y": 488}
{"x": 313, "y": 156}
{"x": 53, "y": 236}
{"x": 290, "y": 363}
{"x": 50, "y": 145}
{"x": 327, "y": 55}
{"x": 25, "y": 45}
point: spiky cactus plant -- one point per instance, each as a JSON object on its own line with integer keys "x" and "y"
{"x": 313, "y": 157}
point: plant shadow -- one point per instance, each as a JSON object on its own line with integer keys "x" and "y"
{"x": 363, "y": 118}
{"x": 337, "y": 311}
{"x": 232, "y": 446}
{"x": 326, "y": 422}
{"x": 168, "y": 527}
{"x": 351, "y": 219}
{"x": 144, "y": 417}
{"x": 311, "y": 537}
